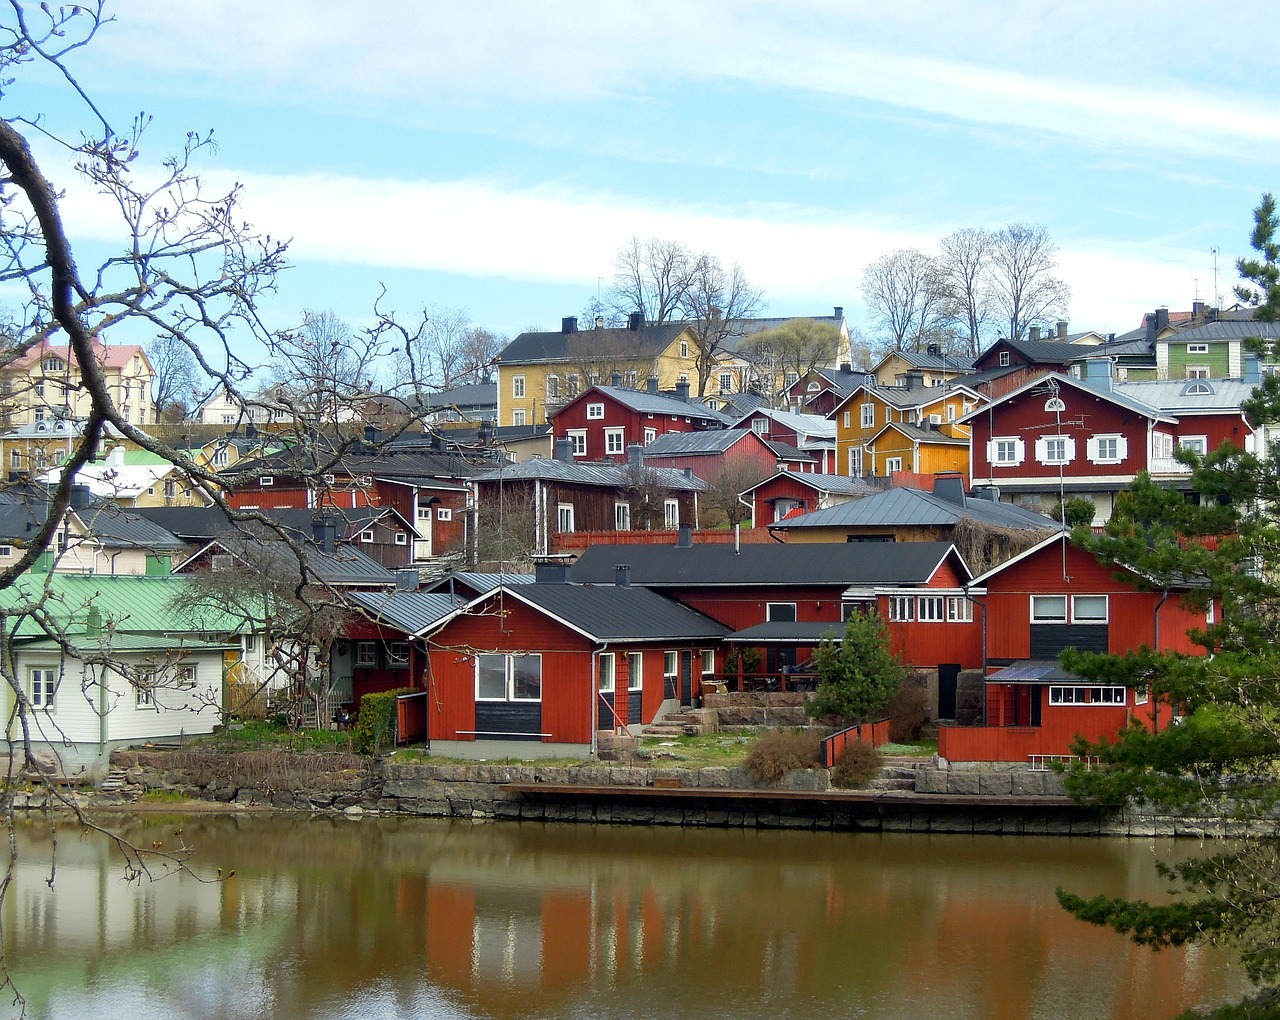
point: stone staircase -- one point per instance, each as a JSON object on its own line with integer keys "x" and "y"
{"x": 898, "y": 776}
{"x": 688, "y": 723}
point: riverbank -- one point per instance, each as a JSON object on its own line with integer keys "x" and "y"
{"x": 924, "y": 796}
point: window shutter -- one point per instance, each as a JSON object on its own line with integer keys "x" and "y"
{"x": 1070, "y": 448}
{"x": 1020, "y": 450}
{"x": 1122, "y": 447}
{"x": 1042, "y": 449}
{"x": 1091, "y": 448}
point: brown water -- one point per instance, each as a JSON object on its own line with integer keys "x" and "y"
{"x": 412, "y": 918}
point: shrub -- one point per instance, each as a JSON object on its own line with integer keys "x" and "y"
{"x": 908, "y": 709}
{"x": 856, "y": 767}
{"x": 376, "y": 727}
{"x": 858, "y": 675}
{"x": 777, "y": 752}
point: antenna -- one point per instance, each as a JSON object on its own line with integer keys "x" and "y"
{"x": 1217, "y": 298}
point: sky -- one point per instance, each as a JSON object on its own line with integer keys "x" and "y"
{"x": 495, "y": 156}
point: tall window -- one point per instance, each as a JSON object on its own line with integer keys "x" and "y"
{"x": 43, "y": 688}
{"x": 902, "y": 607}
{"x": 635, "y": 671}
{"x": 726, "y": 382}
{"x": 614, "y": 441}
{"x": 517, "y": 387}
{"x": 606, "y": 667}
{"x": 508, "y": 677}
{"x": 855, "y": 461}
{"x": 931, "y": 608}
{"x": 868, "y": 418}
{"x": 564, "y": 518}
{"x": 579, "y": 437}
{"x": 684, "y": 348}
{"x": 553, "y": 387}
{"x": 959, "y": 609}
{"x": 518, "y": 417}
{"x": 670, "y": 673}
{"x": 671, "y": 514}
{"x": 622, "y": 516}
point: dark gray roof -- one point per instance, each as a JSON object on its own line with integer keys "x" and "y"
{"x": 1041, "y": 352}
{"x": 1033, "y": 671}
{"x": 645, "y": 402}
{"x": 785, "y": 451}
{"x": 824, "y": 483}
{"x": 1226, "y": 330}
{"x": 411, "y": 611}
{"x": 595, "y": 473}
{"x": 471, "y": 395}
{"x": 736, "y": 406}
{"x": 919, "y": 433}
{"x": 646, "y": 342}
{"x": 608, "y": 612}
{"x": 346, "y": 565}
{"x": 408, "y": 458}
{"x": 199, "y": 524}
{"x": 906, "y": 507}
{"x": 936, "y": 362}
{"x": 477, "y": 582}
{"x": 786, "y": 633}
{"x": 692, "y": 444}
{"x": 719, "y": 565}
{"x": 112, "y": 524}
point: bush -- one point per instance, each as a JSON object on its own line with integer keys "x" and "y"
{"x": 908, "y": 709}
{"x": 858, "y": 675}
{"x": 376, "y": 727}
{"x": 856, "y": 767}
{"x": 777, "y": 752}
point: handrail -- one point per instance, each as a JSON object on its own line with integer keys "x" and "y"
{"x": 613, "y": 712}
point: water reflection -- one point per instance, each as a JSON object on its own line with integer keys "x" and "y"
{"x": 332, "y": 918}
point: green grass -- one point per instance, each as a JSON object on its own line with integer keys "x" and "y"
{"x": 256, "y": 735}
{"x": 163, "y": 797}
{"x": 916, "y": 748}
{"x": 727, "y": 749}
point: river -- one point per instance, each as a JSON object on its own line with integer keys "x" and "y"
{"x": 335, "y": 918}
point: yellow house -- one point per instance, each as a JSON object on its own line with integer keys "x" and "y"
{"x": 538, "y": 373}
{"x": 928, "y": 435}
{"x": 44, "y": 383}
{"x": 928, "y": 368}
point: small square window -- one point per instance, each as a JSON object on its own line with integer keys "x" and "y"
{"x": 444, "y": 513}
{"x": 366, "y": 654}
{"x": 398, "y": 654}
{"x": 595, "y": 412}
{"x": 401, "y": 538}
{"x": 1048, "y": 609}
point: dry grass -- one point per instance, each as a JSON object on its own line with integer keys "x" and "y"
{"x": 777, "y": 752}
{"x": 856, "y": 766}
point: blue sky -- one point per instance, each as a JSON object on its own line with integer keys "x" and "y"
{"x": 494, "y": 156}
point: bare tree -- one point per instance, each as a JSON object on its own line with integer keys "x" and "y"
{"x": 964, "y": 258}
{"x": 798, "y": 345}
{"x": 323, "y": 373}
{"x": 651, "y": 277}
{"x": 737, "y": 474}
{"x": 907, "y": 294}
{"x": 716, "y": 304}
{"x": 173, "y": 375}
{"x": 478, "y": 354}
{"x": 1023, "y": 287}
{"x": 647, "y": 493}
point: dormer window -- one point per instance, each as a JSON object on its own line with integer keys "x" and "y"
{"x": 1198, "y": 388}
{"x": 52, "y": 364}
{"x": 1004, "y": 359}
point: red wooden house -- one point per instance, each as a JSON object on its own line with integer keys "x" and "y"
{"x": 786, "y": 492}
{"x": 1051, "y": 597}
{"x": 604, "y": 420}
{"x": 820, "y": 390}
{"x": 813, "y": 434}
{"x": 705, "y": 453}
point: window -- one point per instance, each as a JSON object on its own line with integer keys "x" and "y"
{"x": 892, "y": 464}
{"x": 1198, "y": 372}
{"x": 780, "y": 612}
{"x": 398, "y": 654}
{"x": 39, "y": 389}
{"x": 366, "y": 654}
{"x": 15, "y": 459}
{"x": 1055, "y": 449}
{"x": 760, "y": 426}
{"x": 221, "y": 457}
{"x": 1088, "y": 695}
{"x": 951, "y": 412}
{"x": 1198, "y": 445}
{"x": 726, "y": 382}
{"x": 630, "y": 378}
{"x": 579, "y": 437}
{"x": 366, "y": 535}
{"x": 671, "y": 514}
{"x": 1006, "y": 451}
{"x": 1110, "y": 449}
{"x": 518, "y": 417}
{"x": 6, "y": 551}
{"x": 606, "y": 672}
{"x": 508, "y": 677}
{"x": 44, "y": 687}
{"x": 931, "y": 608}
{"x": 1048, "y": 609}
{"x": 670, "y": 672}
{"x": 142, "y": 692}
{"x": 635, "y": 671}
{"x": 553, "y": 387}
{"x": 266, "y": 481}
{"x": 708, "y": 662}
{"x": 401, "y": 538}
{"x": 614, "y": 441}
{"x": 571, "y": 384}
{"x": 902, "y": 608}
{"x": 185, "y": 677}
{"x": 1004, "y": 359}
{"x": 564, "y": 518}
{"x": 650, "y": 435}
{"x": 444, "y": 513}
{"x": 1197, "y": 348}
{"x": 847, "y": 419}
{"x": 1088, "y": 609}
{"x": 51, "y": 364}
{"x": 250, "y": 642}
{"x": 959, "y": 609}
{"x": 855, "y": 461}
{"x": 622, "y": 516}
{"x": 684, "y": 348}
{"x": 170, "y": 488}
{"x": 683, "y": 377}
{"x": 1200, "y": 388}
{"x": 595, "y": 411}
{"x": 517, "y": 387}
{"x": 868, "y": 418}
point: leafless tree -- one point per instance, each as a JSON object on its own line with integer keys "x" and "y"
{"x": 323, "y": 373}
{"x": 652, "y": 277}
{"x": 1024, "y": 290}
{"x": 797, "y": 346}
{"x": 174, "y": 375}
{"x": 647, "y": 493}
{"x": 505, "y": 531}
{"x": 738, "y": 473}
{"x": 907, "y": 294}
{"x": 965, "y": 260}
{"x": 716, "y": 303}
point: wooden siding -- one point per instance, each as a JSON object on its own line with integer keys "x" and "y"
{"x": 708, "y": 466}
{"x": 573, "y": 416}
{"x": 874, "y": 734}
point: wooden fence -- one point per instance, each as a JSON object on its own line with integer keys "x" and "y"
{"x": 874, "y": 734}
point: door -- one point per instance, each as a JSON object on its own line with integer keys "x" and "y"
{"x": 948, "y": 684}
{"x": 686, "y": 677}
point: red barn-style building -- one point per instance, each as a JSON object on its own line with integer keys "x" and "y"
{"x": 604, "y": 420}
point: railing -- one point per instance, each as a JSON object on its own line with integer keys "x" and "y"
{"x": 723, "y": 683}
{"x": 874, "y": 734}
{"x": 1167, "y": 466}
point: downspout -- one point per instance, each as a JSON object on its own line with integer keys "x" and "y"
{"x": 102, "y": 710}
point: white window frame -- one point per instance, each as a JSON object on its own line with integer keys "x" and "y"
{"x": 1095, "y": 452}
{"x": 684, "y": 348}
{"x": 1197, "y": 348}
{"x": 606, "y": 673}
{"x": 42, "y": 687}
{"x": 366, "y": 536}
{"x": 760, "y": 426}
{"x": 1004, "y": 359}
{"x": 519, "y": 417}
{"x": 564, "y": 518}
{"x": 635, "y": 671}
{"x": 401, "y": 538}
{"x": 595, "y": 412}
{"x": 726, "y": 382}
{"x": 902, "y": 608}
{"x": 855, "y": 461}
{"x": 444, "y": 513}
{"x": 615, "y": 441}
{"x": 142, "y": 691}
{"x": 1198, "y": 445}
{"x": 959, "y": 609}
{"x": 1040, "y": 609}
{"x": 1055, "y": 449}
{"x": 185, "y": 676}
{"x": 671, "y": 514}
{"x": 786, "y": 606}
{"x": 650, "y": 435}
{"x": 1006, "y": 451}
{"x": 848, "y": 418}
{"x": 892, "y": 464}
{"x": 931, "y": 608}
{"x": 670, "y": 670}
{"x": 579, "y": 437}
{"x": 553, "y": 387}
{"x": 866, "y": 415}
{"x": 1089, "y": 696}
{"x": 708, "y": 657}
{"x": 1078, "y": 600}
{"x": 510, "y": 676}
{"x": 6, "y": 551}
{"x": 621, "y": 516}
{"x": 517, "y": 387}
{"x": 1199, "y": 372}
{"x": 366, "y": 655}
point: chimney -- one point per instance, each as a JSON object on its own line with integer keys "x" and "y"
{"x": 93, "y": 622}
{"x": 839, "y": 312}
{"x": 913, "y": 378}
{"x": 1062, "y": 330}
{"x": 79, "y": 497}
{"x": 599, "y": 322}
{"x": 615, "y": 380}
{"x": 682, "y": 390}
{"x": 1162, "y": 319}
{"x": 372, "y": 434}
{"x": 622, "y": 575}
{"x": 1252, "y": 372}
{"x": 934, "y": 349}
{"x": 684, "y": 536}
{"x": 407, "y": 580}
{"x": 551, "y": 572}
{"x": 1149, "y": 321}
{"x": 324, "y": 534}
{"x": 569, "y": 324}
{"x": 635, "y": 456}
{"x": 949, "y": 487}
{"x": 651, "y": 385}
{"x": 635, "y": 321}
{"x": 1035, "y": 334}
{"x": 563, "y": 450}
{"x": 846, "y": 368}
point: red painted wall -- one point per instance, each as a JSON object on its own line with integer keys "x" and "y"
{"x": 574, "y": 416}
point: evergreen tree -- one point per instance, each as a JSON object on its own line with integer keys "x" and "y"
{"x": 857, "y": 675}
{"x": 1225, "y": 753}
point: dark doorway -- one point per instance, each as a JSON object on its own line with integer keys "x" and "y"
{"x": 948, "y": 684}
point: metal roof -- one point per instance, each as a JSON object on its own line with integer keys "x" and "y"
{"x": 477, "y": 581}
{"x": 786, "y": 633}
{"x": 203, "y": 523}
{"x": 816, "y": 426}
{"x": 595, "y": 473}
{"x": 816, "y": 563}
{"x": 644, "y": 402}
{"x": 346, "y": 565}
{"x": 1172, "y": 394}
{"x": 609, "y": 612}
{"x": 1226, "y": 330}
{"x": 1033, "y": 671}
{"x": 411, "y": 611}
{"x": 823, "y": 483}
{"x": 906, "y": 507}
{"x": 693, "y": 444}
{"x": 1103, "y": 388}
{"x": 645, "y": 342}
